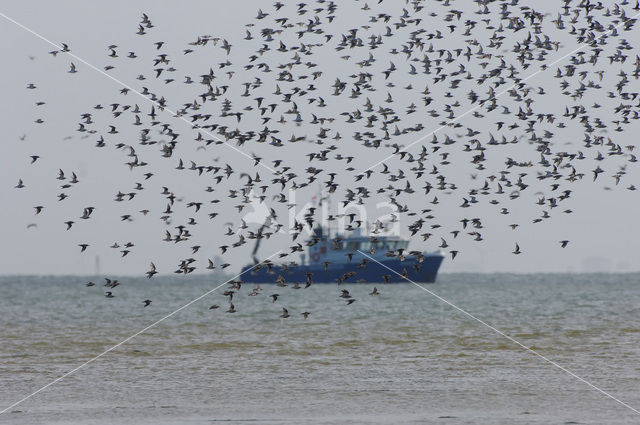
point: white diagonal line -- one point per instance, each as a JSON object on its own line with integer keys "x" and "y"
{"x": 95, "y": 68}
{"x": 132, "y": 336}
{"x": 546, "y": 359}
{"x": 542, "y": 68}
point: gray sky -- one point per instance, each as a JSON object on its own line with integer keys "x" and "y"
{"x": 602, "y": 228}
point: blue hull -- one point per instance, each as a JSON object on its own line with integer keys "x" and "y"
{"x": 425, "y": 272}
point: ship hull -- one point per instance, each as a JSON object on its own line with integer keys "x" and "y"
{"x": 372, "y": 272}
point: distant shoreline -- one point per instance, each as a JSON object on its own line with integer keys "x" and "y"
{"x": 200, "y": 276}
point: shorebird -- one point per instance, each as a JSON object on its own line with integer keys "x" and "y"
{"x": 152, "y": 272}
{"x": 345, "y": 294}
{"x": 282, "y": 97}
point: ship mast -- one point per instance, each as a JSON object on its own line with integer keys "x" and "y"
{"x": 328, "y": 221}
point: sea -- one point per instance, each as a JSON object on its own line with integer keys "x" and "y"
{"x": 404, "y": 356}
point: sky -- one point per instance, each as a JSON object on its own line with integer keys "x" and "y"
{"x": 602, "y": 229}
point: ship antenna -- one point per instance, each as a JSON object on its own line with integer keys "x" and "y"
{"x": 329, "y": 212}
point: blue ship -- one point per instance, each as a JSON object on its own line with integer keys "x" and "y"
{"x": 338, "y": 259}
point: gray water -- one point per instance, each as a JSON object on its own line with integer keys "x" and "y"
{"x": 401, "y": 357}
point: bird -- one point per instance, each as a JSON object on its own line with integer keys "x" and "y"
{"x": 285, "y": 313}
{"x": 146, "y": 303}
{"x": 465, "y": 167}
{"x": 152, "y": 272}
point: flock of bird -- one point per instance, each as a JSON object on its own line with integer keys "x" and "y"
{"x": 394, "y": 73}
